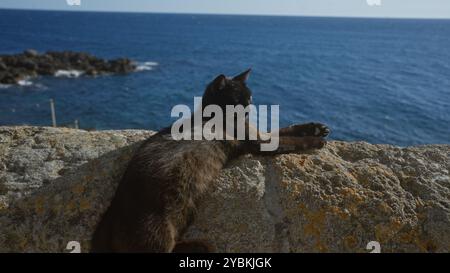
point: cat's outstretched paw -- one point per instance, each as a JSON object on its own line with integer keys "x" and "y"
{"x": 321, "y": 130}
{"x": 313, "y": 129}
{"x": 310, "y": 129}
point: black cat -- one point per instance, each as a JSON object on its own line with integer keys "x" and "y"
{"x": 165, "y": 180}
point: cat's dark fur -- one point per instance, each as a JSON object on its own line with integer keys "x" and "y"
{"x": 159, "y": 192}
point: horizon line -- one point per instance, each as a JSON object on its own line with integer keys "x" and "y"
{"x": 232, "y": 14}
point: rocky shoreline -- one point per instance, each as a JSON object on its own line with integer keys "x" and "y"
{"x": 55, "y": 183}
{"x": 31, "y": 64}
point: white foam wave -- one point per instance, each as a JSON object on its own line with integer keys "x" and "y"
{"x": 25, "y": 82}
{"x": 69, "y": 73}
{"x": 4, "y": 86}
{"x": 146, "y": 66}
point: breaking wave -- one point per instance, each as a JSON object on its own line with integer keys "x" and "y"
{"x": 69, "y": 73}
{"x": 25, "y": 82}
{"x": 146, "y": 66}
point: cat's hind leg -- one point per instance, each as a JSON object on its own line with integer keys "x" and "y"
{"x": 155, "y": 234}
{"x": 101, "y": 239}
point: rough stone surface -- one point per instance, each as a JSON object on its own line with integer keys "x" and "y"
{"x": 55, "y": 183}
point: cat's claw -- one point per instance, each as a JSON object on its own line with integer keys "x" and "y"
{"x": 321, "y": 130}
{"x": 310, "y": 129}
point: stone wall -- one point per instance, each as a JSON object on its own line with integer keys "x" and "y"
{"x": 55, "y": 183}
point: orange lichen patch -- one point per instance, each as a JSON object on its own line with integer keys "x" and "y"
{"x": 384, "y": 208}
{"x": 78, "y": 189}
{"x": 39, "y": 205}
{"x": 385, "y": 232}
{"x": 430, "y": 246}
{"x": 294, "y": 188}
{"x": 314, "y": 226}
{"x": 351, "y": 193}
{"x": 300, "y": 161}
{"x": 316, "y": 222}
{"x": 425, "y": 245}
{"x": 243, "y": 227}
{"x": 350, "y": 242}
{"x": 292, "y": 162}
{"x": 84, "y": 204}
{"x": 52, "y": 142}
{"x": 397, "y": 224}
{"x": 408, "y": 237}
{"x": 70, "y": 206}
{"x": 90, "y": 177}
{"x": 415, "y": 236}
{"x": 302, "y": 208}
{"x": 320, "y": 247}
{"x": 16, "y": 241}
{"x": 339, "y": 212}
{"x": 353, "y": 197}
{"x": 351, "y": 175}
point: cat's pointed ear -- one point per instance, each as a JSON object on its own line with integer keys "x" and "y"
{"x": 243, "y": 77}
{"x": 219, "y": 82}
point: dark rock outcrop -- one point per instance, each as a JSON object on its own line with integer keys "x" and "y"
{"x": 29, "y": 64}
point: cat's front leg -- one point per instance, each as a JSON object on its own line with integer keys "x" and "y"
{"x": 286, "y": 145}
{"x": 303, "y": 130}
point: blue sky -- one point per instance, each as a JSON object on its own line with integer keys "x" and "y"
{"x": 358, "y": 8}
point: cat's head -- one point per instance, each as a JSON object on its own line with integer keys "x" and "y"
{"x": 223, "y": 91}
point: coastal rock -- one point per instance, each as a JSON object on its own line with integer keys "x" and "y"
{"x": 31, "y": 53}
{"x": 3, "y": 66}
{"x": 14, "y": 68}
{"x": 55, "y": 183}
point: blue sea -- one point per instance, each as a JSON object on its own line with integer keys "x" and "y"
{"x": 377, "y": 80}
